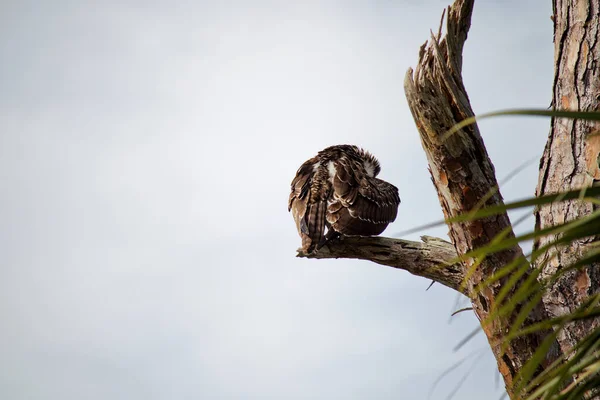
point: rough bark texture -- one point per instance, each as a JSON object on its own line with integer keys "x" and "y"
{"x": 433, "y": 258}
{"x": 571, "y": 157}
{"x": 463, "y": 175}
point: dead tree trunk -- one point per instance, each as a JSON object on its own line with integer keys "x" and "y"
{"x": 464, "y": 175}
{"x": 571, "y": 157}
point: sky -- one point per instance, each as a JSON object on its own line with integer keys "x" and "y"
{"x": 146, "y": 153}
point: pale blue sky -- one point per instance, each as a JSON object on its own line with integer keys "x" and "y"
{"x": 146, "y": 152}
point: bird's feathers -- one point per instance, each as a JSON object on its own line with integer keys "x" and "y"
{"x": 339, "y": 188}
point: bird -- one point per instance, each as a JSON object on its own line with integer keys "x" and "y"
{"x": 338, "y": 189}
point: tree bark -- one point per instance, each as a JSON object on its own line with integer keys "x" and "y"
{"x": 571, "y": 158}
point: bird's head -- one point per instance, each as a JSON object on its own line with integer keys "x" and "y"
{"x": 370, "y": 163}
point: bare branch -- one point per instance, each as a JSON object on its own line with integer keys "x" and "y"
{"x": 433, "y": 258}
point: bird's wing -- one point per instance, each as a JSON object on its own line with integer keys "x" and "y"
{"x": 346, "y": 179}
{"x": 378, "y": 202}
{"x": 314, "y": 221}
{"x": 308, "y": 203}
{"x": 300, "y": 195}
{"x": 301, "y": 184}
{"x": 366, "y": 198}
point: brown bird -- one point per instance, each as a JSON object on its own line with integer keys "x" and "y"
{"x": 338, "y": 189}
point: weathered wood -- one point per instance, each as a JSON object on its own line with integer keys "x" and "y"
{"x": 433, "y": 258}
{"x": 463, "y": 175}
{"x": 571, "y": 157}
